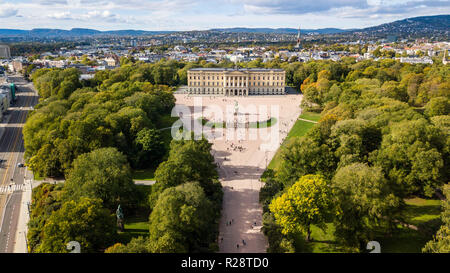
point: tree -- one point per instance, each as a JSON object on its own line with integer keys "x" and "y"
{"x": 304, "y": 156}
{"x": 116, "y": 106}
{"x": 136, "y": 245}
{"x": 437, "y": 107}
{"x": 150, "y": 147}
{"x": 189, "y": 161}
{"x": 46, "y": 199}
{"x": 353, "y": 140}
{"x": 307, "y": 202}
{"x": 441, "y": 241}
{"x": 182, "y": 220}
{"x": 412, "y": 159}
{"x": 365, "y": 203}
{"x": 103, "y": 174}
{"x": 84, "y": 221}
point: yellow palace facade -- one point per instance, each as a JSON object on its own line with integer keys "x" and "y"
{"x": 236, "y": 82}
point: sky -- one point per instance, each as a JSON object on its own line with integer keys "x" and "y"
{"x": 206, "y": 14}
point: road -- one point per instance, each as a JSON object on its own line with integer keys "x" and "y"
{"x": 11, "y": 153}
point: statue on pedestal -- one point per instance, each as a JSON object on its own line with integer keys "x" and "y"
{"x": 120, "y": 217}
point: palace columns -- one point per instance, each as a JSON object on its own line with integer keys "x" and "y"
{"x": 246, "y": 86}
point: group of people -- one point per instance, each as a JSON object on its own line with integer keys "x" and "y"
{"x": 234, "y": 147}
{"x": 229, "y": 223}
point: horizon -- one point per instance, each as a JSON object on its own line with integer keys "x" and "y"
{"x": 207, "y": 29}
{"x": 201, "y": 15}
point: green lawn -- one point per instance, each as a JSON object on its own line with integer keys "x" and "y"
{"x": 263, "y": 124}
{"x": 167, "y": 121}
{"x": 147, "y": 174}
{"x": 310, "y": 116}
{"x": 299, "y": 129}
{"x": 423, "y": 213}
{"x": 134, "y": 227}
{"x": 404, "y": 240}
{"x": 37, "y": 177}
{"x": 322, "y": 241}
{"x": 420, "y": 212}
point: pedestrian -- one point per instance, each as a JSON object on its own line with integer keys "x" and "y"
{"x": 243, "y": 242}
{"x": 237, "y": 246}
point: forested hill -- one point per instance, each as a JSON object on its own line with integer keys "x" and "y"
{"x": 414, "y": 27}
{"x": 426, "y": 26}
{"x": 75, "y": 32}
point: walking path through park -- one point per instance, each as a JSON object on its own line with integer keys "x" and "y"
{"x": 241, "y": 164}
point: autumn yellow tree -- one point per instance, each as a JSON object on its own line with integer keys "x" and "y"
{"x": 307, "y": 202}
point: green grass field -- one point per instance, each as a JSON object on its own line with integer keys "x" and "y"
{"x": 310, "y": 116}
{"x": 299, "y": 129}
{"x": 147, "y": 174}
{"x": 37, "y": 177}
{"x": 419, "y": 212}
{"x": 134, "y": 227}
{"x": 263, "y": 124}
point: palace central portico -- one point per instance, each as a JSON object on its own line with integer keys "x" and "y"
{"x": 236, "y": 82}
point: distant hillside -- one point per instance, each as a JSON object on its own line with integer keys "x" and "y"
{"x": 425, "y": 26}
{"x": 279, "y": 30}
{"x": 75, "y": 32}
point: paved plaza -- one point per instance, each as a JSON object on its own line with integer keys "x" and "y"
{"x": 242, "y": 162}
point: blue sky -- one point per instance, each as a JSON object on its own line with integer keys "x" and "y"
{"x": 206, "y": 14}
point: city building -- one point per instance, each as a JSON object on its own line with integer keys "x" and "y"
{"x": 112, "y": 60}
{"x": 17, "y": 65}
{"x": 236, "y": 82}
{"x": 5, "y": 52}
{"x": 416, "y": 60}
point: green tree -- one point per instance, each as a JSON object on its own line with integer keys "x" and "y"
{"x": 189, "y": 161}
{"x": 136, "y": 245}
{"x": 305, "y": 156}
{"x": 441, "y": 241}
{"x": 46, "y": 198}
{"x": 84, "y": 221}
{"x": 437, "y": 106}
{"x": 103, "y": 174}
{"x": 182, "y": 220}
{"x": 365, "y": 203}
{"x": 149, "y": 147}
{"x": 412, "y": 159}
{"x": 307, "y": 202}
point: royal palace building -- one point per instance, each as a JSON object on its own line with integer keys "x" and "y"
{"x": 236, "y": 82}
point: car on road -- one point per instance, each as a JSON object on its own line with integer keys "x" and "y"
{"x": 20, "y": 165}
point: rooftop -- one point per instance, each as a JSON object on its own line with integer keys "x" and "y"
{"x": 234, "y": 69}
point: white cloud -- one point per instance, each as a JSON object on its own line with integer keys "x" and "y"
{"x": 205, "y": 14}
{"x": 60, "y": 15}
{"x": 7, "y": 11}
{"x": 299, "y": 7}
